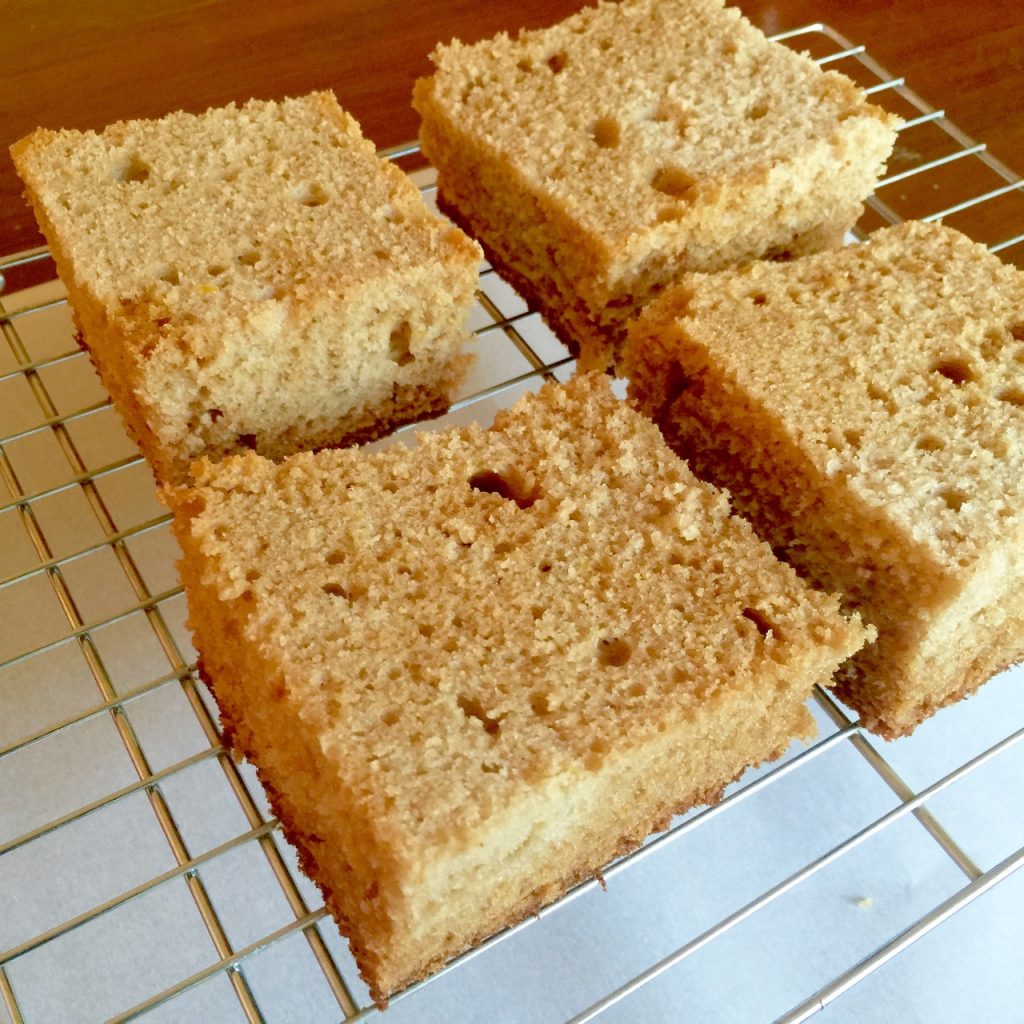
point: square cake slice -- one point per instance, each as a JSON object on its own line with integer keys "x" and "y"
{"x": 473, "y": 672}
{"x": 252, "y": 278}
{"x": 865, "y": 409}
{"x": 599, "y": 159}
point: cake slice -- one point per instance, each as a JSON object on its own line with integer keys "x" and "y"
{"x": 599, "y": 159}
{"x": 252, "y": 278}
{"x": 865, "y": 409}
{"x": 473, "y": 672}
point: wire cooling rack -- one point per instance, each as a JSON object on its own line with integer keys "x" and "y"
{"x": 142, "y": 875}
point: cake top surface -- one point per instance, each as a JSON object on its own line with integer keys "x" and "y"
{"x": 635, "y": 114}
{"x": 492, "y": 607}
{"x": 231, "y": 213}
{"x": 896, "y": 365}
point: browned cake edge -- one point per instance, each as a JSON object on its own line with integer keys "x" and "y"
{"x": 600, "y": 346}
{"x": 1001, "y": 648}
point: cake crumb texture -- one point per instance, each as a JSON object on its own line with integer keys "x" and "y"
{"x": 252, "y": 277}
{"x": 599, "y": 159}
{"x": 865, "y": 409}
{"x": 473, "y": 672}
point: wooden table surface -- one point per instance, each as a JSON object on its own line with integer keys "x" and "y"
{"x": 93, "y": 62}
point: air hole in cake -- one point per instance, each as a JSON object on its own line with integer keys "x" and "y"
{"x": 955, "y": 370}
{"x": 335, "y": 558}
{"x": 525, "y": 65}
{"x": 545, "y": 567}
{"x": 162, "y": 321}
{"x": 391, "y": 717}
{"x": 249, "y": 258}
{"x": 637, "y": 690}
{"x": 216, "y": 269}
{"x": 606, "y": 133}
{"x": 540, "y": 705}
{"x": 596, "y": 752}
{"x": 536, "y": 612}
{"x": 472, "y": 708}
{"x": 508, "y": 485}
{"x": 676, "y": 382}
{"x": 247, "y": 441}
{"x": 399, "y": 342}
{"x": 929, "y": 443}
{"x": 1017, "y": 331}
{"x": 214, "y": 414}
{"x": 662, "y": 508}
{"x": 729, "y": 48}
{"x": 672, "y": 181}
{"x": 668, "y": 214}
{"x": 252, "y": 575}
{"x": 381, "y": 255}
{"x": 852, "y": 438}
{"x": 1012, "y": 396}
{"x": 879, "y": 394}
{"x": 312, "y": 195}
{"x": 605, "y": 44}
{"x": 953, "y": 498}
{"x": 503, "y": 547}
{"x": 761, "y": 623}
{"x": 490, "y": 768}
{"x": 614, "y": 652}
{"x": 334, "y": 590}
{"x": 558, "y": 61}
{"x": 171, "y": 276}
{"x": 759, "y": 299}
{"x": 668, "y": 112}
{"x": 426, "y": 630}
{"x": 136, "y": 169}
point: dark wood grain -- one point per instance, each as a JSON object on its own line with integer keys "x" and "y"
{"x": 83, "y": 65}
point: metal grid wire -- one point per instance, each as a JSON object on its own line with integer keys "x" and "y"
{"x": 60, "y": 417}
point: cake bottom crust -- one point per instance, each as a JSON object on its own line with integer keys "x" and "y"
{"x": 408, "y": 403}
{"x": 596, "y": 344}
{"x": 904, "y": 698}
